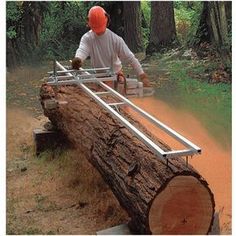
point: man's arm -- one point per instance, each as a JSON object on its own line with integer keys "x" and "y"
{"x": 125, "y": 54}
{"x": 81, "y": 53}
{"x": 84, "y": 49}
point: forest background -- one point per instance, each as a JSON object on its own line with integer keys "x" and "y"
{"x": 39, "y": 31}
{"x": 184, "y": 46}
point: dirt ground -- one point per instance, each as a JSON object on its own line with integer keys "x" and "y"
{"x": 61, "y": 193}
{"x": 53, "y": 195}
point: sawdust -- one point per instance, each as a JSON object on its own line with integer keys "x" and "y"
{"x": 214, "y": 164}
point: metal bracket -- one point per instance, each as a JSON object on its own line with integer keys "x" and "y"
{"x": 55, "y": 71}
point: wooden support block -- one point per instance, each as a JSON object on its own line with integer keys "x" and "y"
{"x": 44, "y": 139}
{"x": 47, "y": 140}
{"x": 122, "y": 229}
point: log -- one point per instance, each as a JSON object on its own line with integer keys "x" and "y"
{"x": 159, "y": 198}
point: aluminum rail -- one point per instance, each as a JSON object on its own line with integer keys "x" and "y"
{"x": 164, "y": 127}
{"x": 78, "y": 81}
{"x": 95, "y": 70}
{"x": 156, "y": 149}
{"x": 102, "y": 93}
{"x": 193, "y": 149}
{"x": 86, "y": 78}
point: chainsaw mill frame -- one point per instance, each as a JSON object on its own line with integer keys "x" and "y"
{"x": 83, "y": 76}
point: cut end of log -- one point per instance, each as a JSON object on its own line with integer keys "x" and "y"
{"x": 183, "y": 207}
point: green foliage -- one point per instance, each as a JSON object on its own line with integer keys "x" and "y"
{"x": 145, "y": 36}
{"x": 13, "y": 12}
{"x": 63, "y": 27}
{"x": 13, "y": 17}
{"x": 11, "y": 32}
{"x": 187, "y": 16}
{"x": 146, "y": 10}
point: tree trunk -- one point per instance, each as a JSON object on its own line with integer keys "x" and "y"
{"x": 213, "y": 26}
{"x": 11, "y": 57}
{"x": 228, "y": 9}
{"x": 32, "y": 22}
{"x": 132, "y": 25}
{"x": 203, "y": 31}
{"x": 159, "y": 198}
{"x": 215, "y": 29}
{"x": 115, "y": 10}
{"x": 163, "y": 31}
{"x": 126, "y": 22}
{"x": 218, "y": 22}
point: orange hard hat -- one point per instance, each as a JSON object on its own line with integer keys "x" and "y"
{"x": 97, "y": 19}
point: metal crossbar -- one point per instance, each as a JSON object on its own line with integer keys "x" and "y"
{"x": 112, "y": 108}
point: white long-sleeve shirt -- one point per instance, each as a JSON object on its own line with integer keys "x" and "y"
{"x": 107, "y": 50}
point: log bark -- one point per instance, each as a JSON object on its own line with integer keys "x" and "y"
{"x": 159, "y": 198}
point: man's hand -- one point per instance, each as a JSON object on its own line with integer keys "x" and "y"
{"x": 76, "y": 63}
{"x": 143, "y": 77}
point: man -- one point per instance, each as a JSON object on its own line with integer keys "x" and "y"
{"x": 105, "y": 48}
